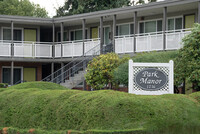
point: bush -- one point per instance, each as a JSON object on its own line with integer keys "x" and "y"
{"x": 38, "y": 85}
{"x": 100, "y": 70}
{"x": 121, "y": 73}
{"x": 62, "y": 110}
{"x": 188, "y": 61}
{"x": 3, "y": 85}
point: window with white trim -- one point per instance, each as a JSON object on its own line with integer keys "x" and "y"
{"x": 150, "y": 26}
{"x": 124, "y": 29}
{"x": 175, "y": 23}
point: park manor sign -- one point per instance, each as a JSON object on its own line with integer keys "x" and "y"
{"x": 151, "y": 78}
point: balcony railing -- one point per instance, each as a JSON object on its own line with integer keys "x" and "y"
{"x": 150, "y": 41}
{"x": 75, "y": 48}
{"x": 5, "y": 48}
{"x": 123, "y": 44}
{"x": 33, "y": 49}
{"x": 29, "y": 49}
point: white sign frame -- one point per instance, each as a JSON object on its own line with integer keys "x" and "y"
{"x": 170, "y": 88}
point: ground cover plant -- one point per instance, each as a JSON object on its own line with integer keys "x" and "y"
{"x": 103, "y": 111}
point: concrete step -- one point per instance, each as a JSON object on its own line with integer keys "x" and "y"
{"x": 74, "y": 81}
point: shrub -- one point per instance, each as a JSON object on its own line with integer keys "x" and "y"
{"x": 62, "y": 110}
{"x": 121, "y": 73}
{"x": 38, "y": 85}
{"x": 100, "y": 70}
{"x": 188, "y": 61}
{"x": 3, "y": 85}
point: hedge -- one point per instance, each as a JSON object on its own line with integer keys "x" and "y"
{"x": 60, "y": 110}
{"x": 121, "y": 73}
{"x": 38, "y": 85}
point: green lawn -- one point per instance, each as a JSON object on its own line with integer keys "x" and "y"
{"x": 102, "y": 111}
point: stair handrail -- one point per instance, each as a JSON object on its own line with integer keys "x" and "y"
{"x": 48, "y": 78}
{"x": 58, "y": 81}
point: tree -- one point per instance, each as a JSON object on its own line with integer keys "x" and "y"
{"x": 187, "y": 64}
{"x": 136, "y": 2}
{"x": 84, "y": 6}
{"x": 100, "y": 70}
{"x": 21, "y": 8}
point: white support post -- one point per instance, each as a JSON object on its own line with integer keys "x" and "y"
{"x": 130, "y": 82}
{"x": 171, "y": 76}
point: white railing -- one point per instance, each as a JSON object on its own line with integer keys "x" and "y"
{"x": 91, "y": 43}
{"x": 58, "y": 50}
{"x": 174, "y": 39}
{"x": 150, "y": 41}
{"x": 124, "y": 44}
{"x": 75, "y": 48}
{"x": 43, "y": 50}
{"x": 31, "y": 49}
{"x": 5, "y": 48}
{"x": 24, "y": 49}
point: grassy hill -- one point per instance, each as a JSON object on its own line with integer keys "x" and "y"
{"x": 39, "y": 85}
{"x": 60, "y": 110}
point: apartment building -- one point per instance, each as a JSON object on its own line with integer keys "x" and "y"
{"x": 33, "y": 48}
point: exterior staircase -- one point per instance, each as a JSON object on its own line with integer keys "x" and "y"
{"x": 72, "y": 74}
{"x": 75, "y": 80}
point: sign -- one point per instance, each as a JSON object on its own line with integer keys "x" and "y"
{"x": 151, "y": 78}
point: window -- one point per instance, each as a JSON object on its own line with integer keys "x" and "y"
{"x": 150, "y": 26}
{"x": 77, "y": 35}
{"x": 64, "y": 37}
{"x": 16, "y": 37}
{"x": 125, "y": 29}
{"x": 175, "y": 23}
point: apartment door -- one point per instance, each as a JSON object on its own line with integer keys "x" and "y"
{"x": 29, "y": 74}
{"x": 7, "y": 75}
{"x": 107, "y": 35}
{"x": 94, "y": 33}
{"x": 189, "y": 21}
{"x": 29, "y": 37}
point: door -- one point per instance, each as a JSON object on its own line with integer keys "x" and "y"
{"x": 29, "y": 74}
{"x": 7, "y": 75}
{"x": 107, "y": 35}
{"x": 94, "y": 32}
{"x": 30, "y": 37}
{"x": 189, "y": 21}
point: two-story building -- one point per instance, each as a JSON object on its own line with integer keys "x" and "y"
{"x": 33, "y": 48}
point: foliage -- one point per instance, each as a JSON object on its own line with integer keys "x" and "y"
{"x": 188, "y": 61}
{"x": 38, "y": 85}
{"x": 60, "y": 110}
{"x": 3, "y": 85}
{"x": 81, "y": 6}
{"x": 121, "y": 73}
{"x": 21, "y": 8}
{"x": 196, "y": 96}
{"x": 143, "y": 1}
{"x": 100, "y": 70}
